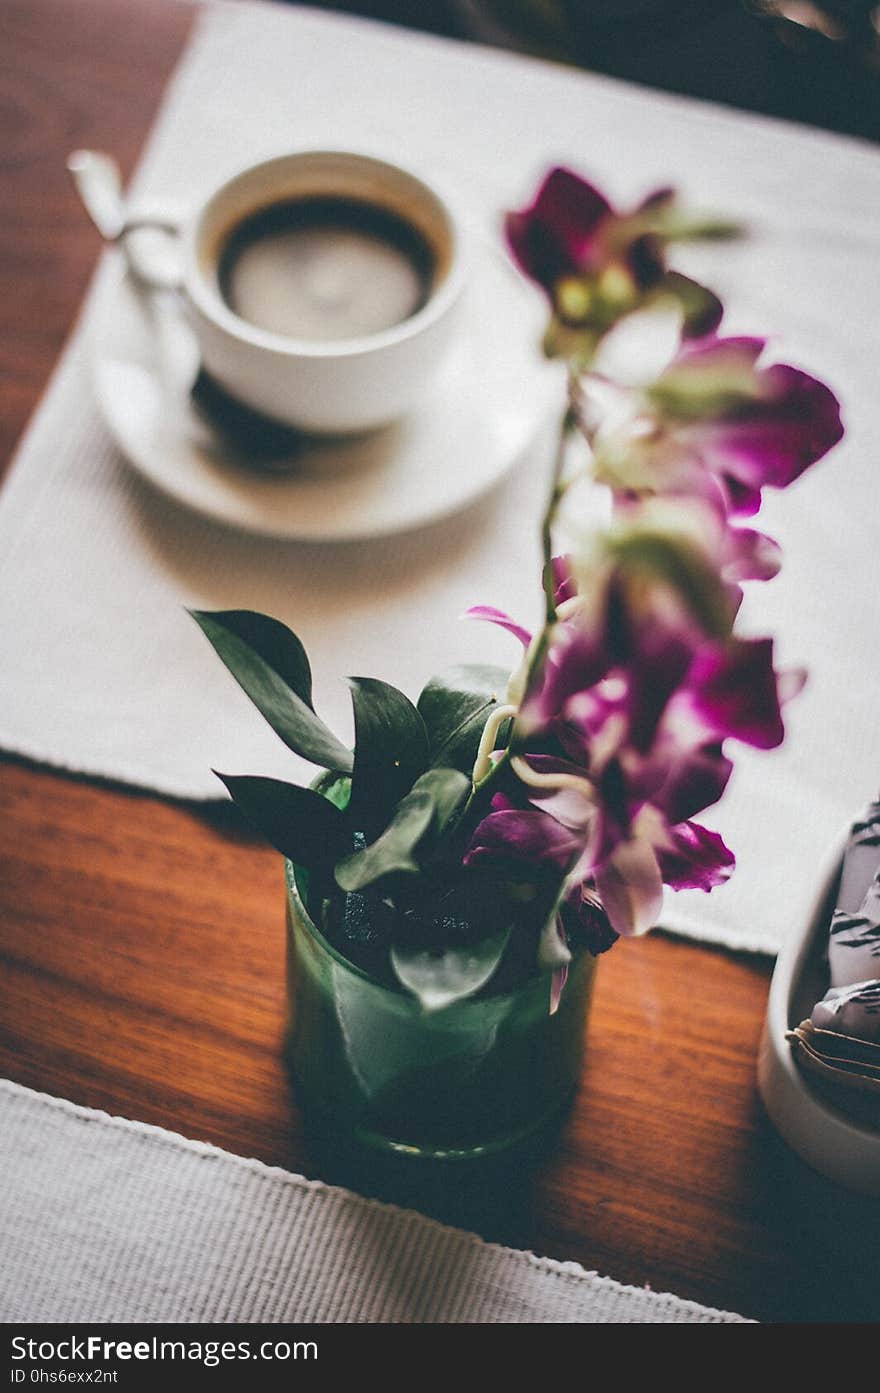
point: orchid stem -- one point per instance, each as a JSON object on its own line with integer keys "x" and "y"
{"x": 557, "y": 493}
{"x": 482, "y": 789}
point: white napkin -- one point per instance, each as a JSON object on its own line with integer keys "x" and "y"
{"x": 104, "y": 674}
{"x": 107, "y": 1220}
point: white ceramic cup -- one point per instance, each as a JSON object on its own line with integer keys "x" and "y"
{"x": 323, "y": 386}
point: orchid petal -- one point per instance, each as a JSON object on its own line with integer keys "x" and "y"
{"x": 572, "y": 802}
{"x": 576, "y": 664}
{"x": 708, "y": 374}
{"x": 790, "y": 682}
{"x": 694, "y": 780}
{"x": 734, "y": 690}
{"x": 644, "y": 258}
{"x": 712, "y": 411}
{"x": 586, "y": 922}
{"x": 512, "y": 839}
{"x": 564, "y": 582}
{"x": 557, "y": 986}
{"x": 553, "y": 949}
{"x": 659, "y": 198}
{"x": 631, "y": 887}
{"x": 771, "y": 437}
{"x": 657, "y": 668}
{"x": 497, "y": 616}
{"x": 749, "y": 555}
{"x": 696, "y": 858}
{"x": 551, "y": 238}
{"x": 701, "y": 309}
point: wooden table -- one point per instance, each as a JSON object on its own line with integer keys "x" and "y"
{"x": 142, "y": 941}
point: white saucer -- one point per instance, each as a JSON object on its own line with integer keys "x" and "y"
{"x": 482, "y": 413}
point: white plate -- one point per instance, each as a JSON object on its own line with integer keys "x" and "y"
{"x": 482, "y": 413}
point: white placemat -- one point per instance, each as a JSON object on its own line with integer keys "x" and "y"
{"x": 107, "y": 1220}
{"x": 104, "y": 674}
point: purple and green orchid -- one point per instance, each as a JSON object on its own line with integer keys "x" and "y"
{"x": 510, "y": 819}
{"x": 596, "y": 264}
{"x": 713, "y": 424}
{"x": 618, "y": 743}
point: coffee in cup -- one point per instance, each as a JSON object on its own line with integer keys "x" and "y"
{"x": 326, "y": 268}
{"x": 323, "y": 288}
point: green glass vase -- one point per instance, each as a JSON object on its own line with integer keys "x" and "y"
{"x": 470, "y": 1080}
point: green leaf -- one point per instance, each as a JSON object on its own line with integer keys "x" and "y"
{"x": 430, "y": 806}
{"x": 336, "y": 788}
{"x": 439, "y": 977}
{"x": 391, "y": 750}
{"x": 455, "y": 707}
{"x": 394, "y": 851}
{"x": 269, "y": 663}
{"x": 447, "y": 788}
{"x": 273, "y": 641}
{"x": 301, "y": 824}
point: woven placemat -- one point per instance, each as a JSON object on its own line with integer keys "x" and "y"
{"x": 102, "y": 1219}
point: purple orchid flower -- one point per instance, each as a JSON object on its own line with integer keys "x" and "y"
{"x": 620, "y": 745}
{"x": 650, "y": 676}
{"x": 596, "y": 264}
{"x": 627, "y": 881}
{"x": 571, "y": 230}
{"x": 700, "y": 541}
{"x": 713, "y": 423}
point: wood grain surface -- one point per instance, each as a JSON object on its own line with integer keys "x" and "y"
{"x": 142, "y": 942}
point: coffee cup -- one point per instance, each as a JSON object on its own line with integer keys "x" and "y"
{"x": 323, "y": 287}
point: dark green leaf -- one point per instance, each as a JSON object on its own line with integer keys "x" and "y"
{"x": 277, "y": 645}
{"x": 430, "y": 806}
{"x": 455, "y": 706}
{"x": 439, "y": 977}
{"x": 394, "y": 851}
{"x": 301, "y": 824}
{"x": 274, "y": 672}
{"x": 447, "y": 788}
{"x": 391, "y": 750}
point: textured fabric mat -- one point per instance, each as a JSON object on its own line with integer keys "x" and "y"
{"x": 104, "y": 674}
{"x": 107, "y": 1220}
